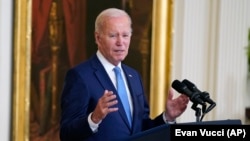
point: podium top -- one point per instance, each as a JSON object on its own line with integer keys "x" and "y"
{"x": 215, "y": 122}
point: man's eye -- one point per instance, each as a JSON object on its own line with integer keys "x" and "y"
{"x": 112, "y": 35}
{"x": 125, "y": 35}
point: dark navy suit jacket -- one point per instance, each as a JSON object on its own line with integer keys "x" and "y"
{"x": 84, "y": 85}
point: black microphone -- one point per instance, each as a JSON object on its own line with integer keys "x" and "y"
{"x": 183, "y": 89}
{"x": 204, "y": 95}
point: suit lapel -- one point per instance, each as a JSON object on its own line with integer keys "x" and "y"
{"x": 102, "y": 75}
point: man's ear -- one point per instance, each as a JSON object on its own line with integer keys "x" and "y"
{"x": 97, "y": 37}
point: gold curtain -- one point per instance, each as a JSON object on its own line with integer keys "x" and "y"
{"x": 161, "y": 55}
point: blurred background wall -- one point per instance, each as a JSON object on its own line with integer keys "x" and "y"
{"x": 6, "y": 19}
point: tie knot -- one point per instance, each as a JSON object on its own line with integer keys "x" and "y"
{"x": 117, "y": 70}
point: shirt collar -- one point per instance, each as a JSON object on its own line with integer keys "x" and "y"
{"x": 106, "y": 64}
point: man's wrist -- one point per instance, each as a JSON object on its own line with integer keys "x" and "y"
{"x": 166, "y": 120}
{"x": 94, "y": 126}
{"x": 171, "y": 122}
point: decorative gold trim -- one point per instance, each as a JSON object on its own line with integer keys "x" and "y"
{"x": 161, "y": 55}
{"x": 21, "y": 70}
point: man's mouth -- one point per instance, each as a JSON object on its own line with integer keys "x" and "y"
{"x": 119, "y": 51}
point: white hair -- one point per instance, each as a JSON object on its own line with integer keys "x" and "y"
{"x": 109, "y": 13}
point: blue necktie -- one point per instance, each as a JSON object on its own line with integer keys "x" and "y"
{"x": 122, "y": 93}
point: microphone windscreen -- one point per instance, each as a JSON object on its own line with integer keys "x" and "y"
{"x": 178, "y": 86}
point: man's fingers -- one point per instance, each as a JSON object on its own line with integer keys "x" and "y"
{"x": 112, "y": 103}
{"x": 107, "y": 93}
{"x": 170, "y": 94}
{"x": 108, "y": 96}
{"x": 112, "y": 109}
{"x": 184, "y": 98}
{"x": 108, "y": 100}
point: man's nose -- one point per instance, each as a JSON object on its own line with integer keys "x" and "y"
{"x": 119, "y": 40}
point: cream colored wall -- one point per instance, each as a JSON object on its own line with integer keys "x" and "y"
{"x": 5, "y": 67}
{"x": 208, "y": 49}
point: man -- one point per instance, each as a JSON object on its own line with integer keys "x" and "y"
{"x": 92, "y": 109}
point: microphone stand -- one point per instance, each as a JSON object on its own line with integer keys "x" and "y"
{"x": 205, "y": 97}
{"x": 205, "y": 110}
{"x": 197, "y": 111}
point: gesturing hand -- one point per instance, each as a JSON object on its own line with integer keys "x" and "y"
{"x": 175, "y": 107}
{"x": 104, "y": 106}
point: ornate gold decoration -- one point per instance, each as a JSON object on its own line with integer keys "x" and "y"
{"x": 55, "y": 28}
{"x": 21, "y": 70}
